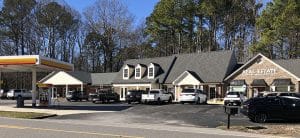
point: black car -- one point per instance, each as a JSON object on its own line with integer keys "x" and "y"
{"x": 261, "y": 109}
{"x": 77, "y": 96}
{"x": 134, "y": 96}
{"x": 105, "y": 97}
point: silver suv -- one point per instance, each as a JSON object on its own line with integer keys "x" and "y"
{"x": 14, "y": 93}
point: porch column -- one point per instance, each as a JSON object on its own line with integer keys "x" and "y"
{"x": 175, "y": 93}
{"x": 1, "y": 79}
{"x": 67, "y": 89}
{"x": 33, "y": 87}
{"x": 81, "y": 87}
{"x": 52, "y": 92}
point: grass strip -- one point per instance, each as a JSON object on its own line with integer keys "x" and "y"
{"x": 25, "y": 115}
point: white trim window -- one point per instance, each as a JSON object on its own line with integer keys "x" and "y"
{"x": 138, "y": 72}
{"x": 151, "y": 71}
{"x": 126, "y": 73}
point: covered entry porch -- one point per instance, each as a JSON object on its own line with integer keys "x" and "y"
{"x": 189, "y": 79}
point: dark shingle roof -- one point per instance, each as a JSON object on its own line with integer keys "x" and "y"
{"x": 103, "y": 78}
{"x": 209, "y": 66}
{"x": 292, "y": 65}
{"x": 85, "y": 77}
{"x": 164, "y": 64}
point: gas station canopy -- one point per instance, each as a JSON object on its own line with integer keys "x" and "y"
{"x": 32, "y": 63}
{"x": 28, "y": 62}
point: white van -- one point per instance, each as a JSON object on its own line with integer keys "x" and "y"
{"x": 14, "y": 93}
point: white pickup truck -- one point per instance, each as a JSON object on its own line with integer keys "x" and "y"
{"x": 157, "y": 95}
{"x": 234, "y": 98}
{"x": 14, "y": 93}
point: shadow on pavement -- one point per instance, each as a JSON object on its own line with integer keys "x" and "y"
{"x": 91, "y": 108}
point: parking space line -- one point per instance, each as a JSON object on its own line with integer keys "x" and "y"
{"x": 67, "y": 131}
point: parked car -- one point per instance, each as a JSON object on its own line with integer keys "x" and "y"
{"x": 266, "y": 93}
{"x": 106, "y": 96}
{"x": 14, "y": 93}
{"x": 196, "y": 96}
{"x": 92, "y": 95}
{"x": 262, "y": 109}
{"x": 134, "y": 96}
{"x": 234, "y": 98}
{"x": 157, "y": 95}
{"x": 77, "y": 96}
{"x": 3, "y": 93}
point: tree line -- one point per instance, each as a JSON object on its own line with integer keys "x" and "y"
{"x": 102, "y": 37}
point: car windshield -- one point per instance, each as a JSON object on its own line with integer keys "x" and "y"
{"x": 145, "y": 92}
{"x": 188, "y": 91}
{"x": 272, "y": 94}
{"x": 154, "y": 92}
{"x": 69, "y": 93}
{"x": 233, "y": 93}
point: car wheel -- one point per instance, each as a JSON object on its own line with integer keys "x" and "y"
{"x": 129, "y": 102}
{"x": 158, "y": 101}
{"x": 205, "y": 102}
{"x": 260, "y": 118}
{"x": 170, "y": 100}
{"x": 94, "y": 102}
{"x": 198, "y": 101}
{"x": 182, "y": 102}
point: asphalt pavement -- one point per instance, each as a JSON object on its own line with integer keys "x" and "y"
{"x": 210, "y": 116}
{"x": 16, "y": 128}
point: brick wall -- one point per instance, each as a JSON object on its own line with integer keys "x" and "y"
{"x": 265, "y": 64}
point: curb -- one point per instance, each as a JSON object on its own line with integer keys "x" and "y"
{"x": 43, "y": 117}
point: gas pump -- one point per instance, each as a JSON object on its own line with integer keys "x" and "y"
{"x": 45, "y": 94}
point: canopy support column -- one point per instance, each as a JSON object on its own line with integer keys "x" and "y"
{"x": 1, "y": 80}
{"x": 34, "y": 87}
{"x": 67, "y": 89}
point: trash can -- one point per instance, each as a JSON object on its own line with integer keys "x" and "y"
{"x": 20, "y": 102}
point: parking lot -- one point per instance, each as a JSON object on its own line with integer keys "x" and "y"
{"x": 170, "y": 114}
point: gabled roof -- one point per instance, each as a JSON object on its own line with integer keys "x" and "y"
{"x": 206, "y": 67}
{"x": 185, "y": 74}
{"x": 103, "y": 78}
{"x": 290, "y": 66}
{"x": 209, "y": 66}
{"x": 165, "y": 63}
{"x": 87, "y": 78}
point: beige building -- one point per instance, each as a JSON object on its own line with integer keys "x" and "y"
{"x": 263, "y": 74}
{"x": 205, "y": 71}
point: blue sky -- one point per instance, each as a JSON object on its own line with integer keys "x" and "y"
{"x": 139, "y": 8}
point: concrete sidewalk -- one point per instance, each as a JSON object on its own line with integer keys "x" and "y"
{"x": 48, "y": 111}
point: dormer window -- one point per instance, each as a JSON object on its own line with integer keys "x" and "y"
{"x": 126, "y": 73}
{"x": 151, "y": 71}
{"x": 138, "y": 73}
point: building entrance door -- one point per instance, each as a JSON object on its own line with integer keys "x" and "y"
{"x": 123, "y": 94}
{"x": 212, "y": 93}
